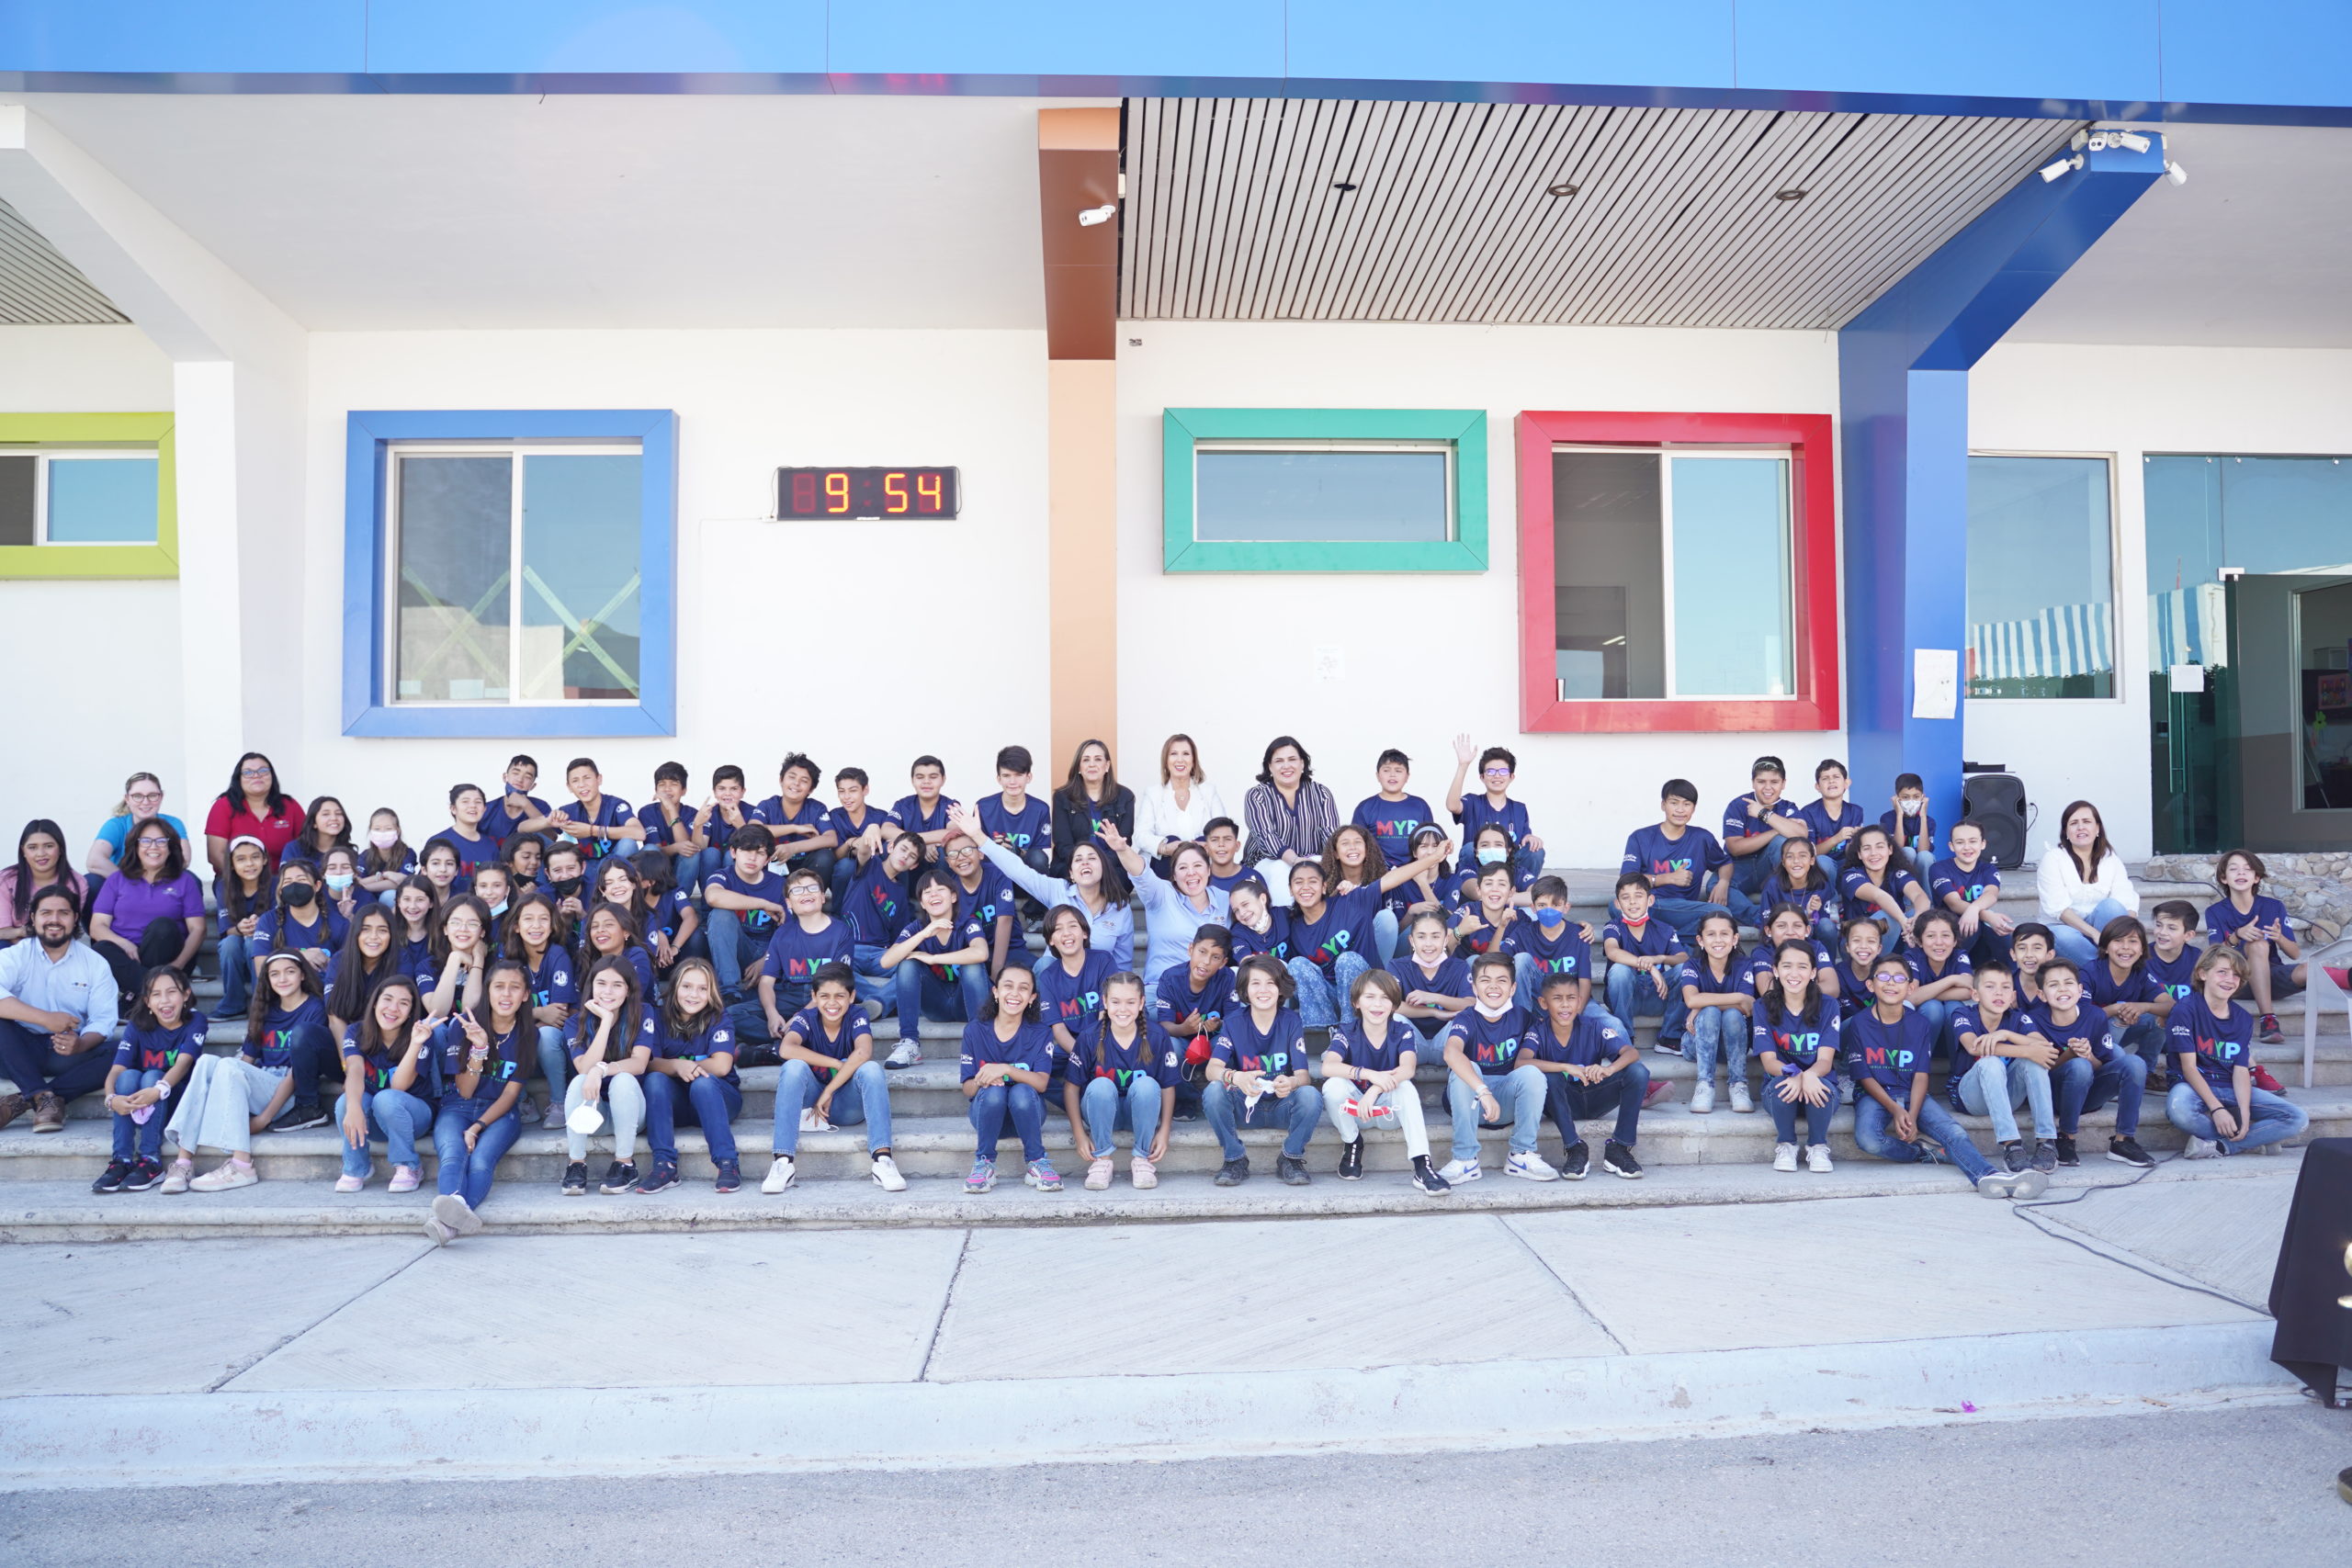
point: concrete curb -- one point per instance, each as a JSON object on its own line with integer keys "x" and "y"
{"x": 181, "y": 1439}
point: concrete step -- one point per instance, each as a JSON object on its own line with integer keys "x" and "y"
{"x": 941, "y": 1147}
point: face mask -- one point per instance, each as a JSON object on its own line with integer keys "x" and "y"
{"x": 499, "y": 908}
{"x": 382, "y": 838}
{"x": 1491, "y": 856}
{"x": 1551, "y": 920}
{"x": 337, "y": 880}
{"x": 1491, "y": 1014}
{"x": 297, "y": 894}
{"x": 565, "y": 887}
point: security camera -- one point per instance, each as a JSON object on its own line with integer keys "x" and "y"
{"x": 2175, "y": 174}
{"x": 2130, "y": 140}
{"x": 1093, "y": 215}
{"x": 2053, "y": 170}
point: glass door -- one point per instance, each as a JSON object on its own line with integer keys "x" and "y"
{"x": 2287, "y": 717}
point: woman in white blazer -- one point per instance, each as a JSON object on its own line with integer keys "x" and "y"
{"x": 1179, "y": 807}
{"x": 2082, "y": 884}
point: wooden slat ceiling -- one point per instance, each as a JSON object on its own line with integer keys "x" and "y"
{"x": 1233, "y": 210}
{"x": 40, "y": 287}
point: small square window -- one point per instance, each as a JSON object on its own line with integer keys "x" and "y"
{"x": 80, "y": 496}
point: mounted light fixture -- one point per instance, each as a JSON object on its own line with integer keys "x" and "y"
{"x": 1563, "y": 188}
{"x": 1791, "y": 193}
{"x": 1102, "y": 214}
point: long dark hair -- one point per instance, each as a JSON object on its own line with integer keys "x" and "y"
{"x": 235, "y": 793}
{"x": 1074, "y": 786}
{"x": 1854, "y": 853}
{"x": 1816, "y": 879}
{"x": 174, "y": 857}
{"x": 308, "y": 838}
{"x": 623, "y": 1038}
{"x": 439, "y": 929}
{"x": 990, "y": 1012}
{"x": 1375, "y": 865}
{"x": 351, "y": 973}
{"x": 2100, "y": 848}
{"x": 2123, "y": 926}
{"x": 22, "y": 895}
{"x": 481, "y": 1012}
{"x": 1812, "y": 997}
{"x": 513, "y": 947}
{"x": 371, "y": 1040}
{"x": 1266, "y": 763}
{"x": 142, "y": 1016}
{"x": 229, "y": 888}
{"x": 630, "y": 934}
{"x": 265, "y": 993}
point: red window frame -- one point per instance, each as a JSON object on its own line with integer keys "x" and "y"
{"x": 1812, "y": 567}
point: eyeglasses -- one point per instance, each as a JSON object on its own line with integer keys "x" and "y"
{"x": 1498, "y": 772}
{"x": 146, "y": 794}
{"x": 252, "y": 772}
{"x": 154, "y": 843}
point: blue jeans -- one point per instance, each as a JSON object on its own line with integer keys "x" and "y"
{"x": 131, "y": 1139}
{"x": 1720, "y": 1032}
{"x": 1296, "y": 1113}
{"x": 1104, "y": 1108}
{"x": 1996, "y": 1085}
{"x": 875, "y": 991}
{"x": 27, "y": 1056}
{"x": 866, "y": 1098}
{"x": 2145, "y": 1040}
{"x": 2275, "y": 1118}
{"x": 469, "y": 1175}
{"x": 1938, "y": 1012}
{"x": 2082, "y": 1085}
{"x": 1784, "y": 1112}
{"x": 237, "y": 976}
{"x": 1748, "y": 877}
{"x": 919, "y": 992}
{"x": 1384, "y": 927}
{"x": 1323, "y": 998}
{"x": 992, "y": 1106}
{"x": 555, "y": 1062}
{"x": 1519, "y": 1092}
{"x": 710, "y": 1103}
{"x": 2073, "y": 944}
{"x": 1874, "y": 1130}
{"x": 1569, "y": 1101}
{"x": 397, "y": 1116}
{"x": 732, "y": 951}
{"x": 1684, "y": 914}
{"x": 1631, "y": 995}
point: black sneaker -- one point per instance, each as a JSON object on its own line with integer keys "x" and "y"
{"x": 619, "y": 1176}
{"x": 575, "y": 1179}
{"x": 1352, "y": 1160}
{"x": 1426, "y": 1178}
{"x": 145, "y": 1172}
{"x": 2066, "y": 1154}
{"x": 111, "y": 1179}
{"x": 1233, "y": 1173}
{"x": 664, "y": 1176}
{"x": 2015, "y": 1156}
{"x": 1575, "y": 1161}
{"x": 1618, "y": 1160}
{"x": 2127, "y": 1151}
{"x": 2045, "y": 1157}
{"x": 1291, "y": 1172}
{"x": 302, "y": 1113}
{"x": 731, "y": 1175}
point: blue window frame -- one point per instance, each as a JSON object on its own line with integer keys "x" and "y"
{"x": 608, "y": 665}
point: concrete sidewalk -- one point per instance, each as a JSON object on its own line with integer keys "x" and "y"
{"x": 253, "y": 1359}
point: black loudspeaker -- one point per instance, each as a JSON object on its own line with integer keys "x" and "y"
{"x": 1997, "y": 800}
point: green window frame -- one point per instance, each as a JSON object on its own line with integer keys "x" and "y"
{"x": 160, "y": 559}
{"x": 1463, "y": 429}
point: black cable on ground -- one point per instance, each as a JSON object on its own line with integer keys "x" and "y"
{"x": 2080, "y": 1193}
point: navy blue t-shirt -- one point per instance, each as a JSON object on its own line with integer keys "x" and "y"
{"x": 908, "y": 810}
{"x": 611, "y": 812}
{"x": 554, "y": 979}
{"x": 1562, "y": 950}
{"x": 1907, "y": 836}
{"x": 2090, "y": 1028}
{"x": 1946, "y": 876}
{"x": 1760, "y": 962}
{"x": 1924, "y": 972}
{"x": 1031, "y": 1049}
{"x": 1698, "y": 971}
{"x": 375, "y": 1066}
{"x": 1477, "y": 812}
{"x": 279, "y": 931}
{"x": 2106, "y": 990}
{"x": 757, "y": 923}
{"x": 1890, "y": 1054}
{"x": 2224, "y": 919}
{"x": 1100, "y": 1054}
{"x": 1073, "y": 1001}
{"x": 1655, "y": 940}
{"x": 714, "y": 1037}
{"x": 810, "y": 1025}
{"x": 1490, "y": 1043}
{"x": 961, "y": 934}
{"x": 274, "y": 1046}
{"x": 155, "y": 1050}
{"x": 1827, "y": 824}
{"x": 1392, "y": 823}
{"x": 1851, "y": 881}
{"x": 876, "y": 904}
{"x": 995, "y": 895}
{"x": 795, "y": 953}
{"x": 471, "y": 856}
{"x": 507, "y": 1061}
{"x": 2221, "y": 1045}
{"x": 1275, "y": 941}
{"x": 1028, "y": 829}
{"x": 847, "y": 831}
{"x": 2176, "y": 975}
{"x": 1345, "y": 926}
{"x": 1276, "y": 1051}
{"x": 1970, "y": 1019}
{"x": 1591, "y": 1042}
{"x": 1178, "y": 1002}
{"x": 1742, "y": 820}
{"x": 497, "y": 824}
{"x": 1451, "y": 978}
{"x": 1651, "y": 853}
{"x": 1818, "y": 902}
{"x": 807, "y": 814}
{"x": 661, "y": 831}
{"x": 1797, "y": 1041}
{"x": 1353, "y": 1044}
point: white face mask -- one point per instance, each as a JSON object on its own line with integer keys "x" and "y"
{"x": 1491, "y": 1014}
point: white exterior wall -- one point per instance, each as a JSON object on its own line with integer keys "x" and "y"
{"x": 860, "y": 643}
{"x": 2126, "y": 402}
{"x": 1231, "y": 658}
{"x": 92, "y": 690}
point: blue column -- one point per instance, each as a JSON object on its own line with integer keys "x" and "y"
{"x": 1903, "y": 368}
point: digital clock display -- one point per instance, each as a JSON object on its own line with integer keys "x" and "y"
{"x": 861, "y": 493}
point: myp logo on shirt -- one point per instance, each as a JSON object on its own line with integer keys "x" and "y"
{"x": 1273, "y": 1063}
{"x": 1395, "y": 827}
{"x": 1901, "y": 1059}
{"x": 1669, "y": 862}
{"x": 1083, "y": 1005}
{"x": 1791, "y": 1043}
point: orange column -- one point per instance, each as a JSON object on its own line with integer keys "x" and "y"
{"x": 1078, "y": 170}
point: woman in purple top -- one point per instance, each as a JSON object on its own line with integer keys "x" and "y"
{"x": 152, "y": 914}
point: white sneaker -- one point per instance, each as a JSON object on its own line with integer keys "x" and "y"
{"x": 1742, "y": 1102}
{"x": 351, "y": 1183}
{"x": 2201, "y": 1148}
{"x": 1456, "y": 1172}
{"x": 453, "y": 1210}
{"x": 780, "y": 1176}
{"x": 885, "y": 1174}
{"x": 1784, "y": 1156}
{"x": 908, "y": 1053}
{"x": 223, "y": 1178}
{"x": 812, "y": 1122}
{"x": 1816, "y": 1159}
{"x": 1702, "y": 1100}
{"x": 1098, "y": 1173}
{"x": 1530, "y": 1167}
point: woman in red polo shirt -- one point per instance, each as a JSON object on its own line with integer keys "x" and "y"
{"x": 251, "y": 805}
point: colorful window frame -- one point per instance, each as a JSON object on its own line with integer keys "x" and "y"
{"x": 120, "y": 562}
{"x": 367, "y": 620}
{"x": 1464, "y": 429}
{"x": 1813, "y": 573}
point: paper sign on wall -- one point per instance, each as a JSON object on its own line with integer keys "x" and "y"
{"x": 1935, "y": 682}
{"x": 2183, "y": 678}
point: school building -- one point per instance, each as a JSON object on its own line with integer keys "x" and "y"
{"x": 392, "y": 385}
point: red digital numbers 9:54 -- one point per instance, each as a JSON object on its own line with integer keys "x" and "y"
{"x": 858, "y": 494}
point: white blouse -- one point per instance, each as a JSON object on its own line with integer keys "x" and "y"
{"x": 1159, "y": 817}
{"x": 2058, "y": 882}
